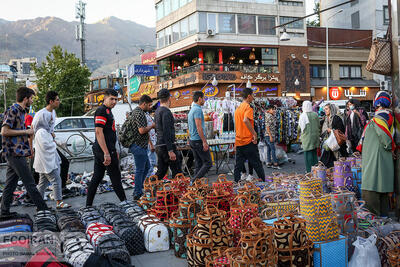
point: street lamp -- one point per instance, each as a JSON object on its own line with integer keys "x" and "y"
{"x": 327, "y": 52}
{"x": 284, "y": 36}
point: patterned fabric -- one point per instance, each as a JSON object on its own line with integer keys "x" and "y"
{"x": 17, "y": 145}
{"x": 270, "y": 121}
{"x": 140, "y": 121}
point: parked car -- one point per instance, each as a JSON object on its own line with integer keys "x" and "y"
{"x": 75, "y": 134}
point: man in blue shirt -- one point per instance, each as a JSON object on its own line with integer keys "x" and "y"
{"x": 197, "y": 139}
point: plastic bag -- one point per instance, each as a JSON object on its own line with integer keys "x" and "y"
{"x": 366, "y": 254}
{"x": 332, "y": 143}
{"x": 281, "y": 155}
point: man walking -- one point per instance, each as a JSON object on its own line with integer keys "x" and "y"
{"x": 104, "y": 149}
{"x": 16, "y": 148}
{"x": 270, "y": 133}
{"x": 246, "y": 137}
{"x": 198, "y": 141}
{"x": 166, "y": 149}
{"x": 140, "y": 142}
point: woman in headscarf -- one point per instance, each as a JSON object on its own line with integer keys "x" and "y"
{"x": 355, "y": 121}
{"x": 378, "y": 148}
{"x": 47, "y": 161}
{"x": 309, "y": 134}
{"x": 331, "y": 123}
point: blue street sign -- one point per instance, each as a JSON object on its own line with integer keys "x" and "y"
{"x": 144, "y": 70}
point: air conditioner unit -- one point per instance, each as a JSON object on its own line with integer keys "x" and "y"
{"x": 210, "y": 32}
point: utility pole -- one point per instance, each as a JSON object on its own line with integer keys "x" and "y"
{"x": 80, "y": 13}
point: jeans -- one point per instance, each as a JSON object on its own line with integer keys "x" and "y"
{"x": 99, "y": 169}
{"x": 202, "y": 159}
{"x": 248, "y": 152}
{"x": 163, "y": 162}
{"x": 54, "y": 178}
{"x": 271, "y": 154}
{"x": 18, "y": 168}
{"x": 153, "y": 162}
{"x": 142, "y": 166}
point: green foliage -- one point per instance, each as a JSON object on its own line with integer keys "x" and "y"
{"x": 316, "y": 22}
{"x": 62, "y": 72}
{"x": 11, "y": 90}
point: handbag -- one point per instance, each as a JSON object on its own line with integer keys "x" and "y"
{"x": 340, "y": 137}
{"x": 380, "y": 57}
{"x": 310, "y": 207}
{"x": 331, "y": 142}
{"x": 242, "y": 211}
{"x": 289, "y": 232}
{"x": 393, "y": 256}
{"x": 309, "y": 186}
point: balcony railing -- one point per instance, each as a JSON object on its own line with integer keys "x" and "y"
{"x": 220, "y": 67}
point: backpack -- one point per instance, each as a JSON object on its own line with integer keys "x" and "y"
{"x": 125, "y": 136}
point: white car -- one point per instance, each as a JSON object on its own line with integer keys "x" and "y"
{"x": 75, "y": 134}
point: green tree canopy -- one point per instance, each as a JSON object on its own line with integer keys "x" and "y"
{"x": 317, "y": 21}
{"x": 11, "y": 90}
{"x": 62, "y": 72}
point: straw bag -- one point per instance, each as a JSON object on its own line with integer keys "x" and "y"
{"x": 279, "y": 205}
{"x": 252, "y": 192}
{"x": 224, "y": 185}
{"x": 322, "y": 228}
{"x": 200, "y": 187}
{"x": 218, "y": 258}
{"x": 180, "y": 227}
{"x": 289, "y": 231}
{"x": 293, "y": 256}
{"x": 180, "y": 183}
{"x": 380, "y": 57}
{"x": 393, "y": 256}
{"x": 167, "y": 202}
{"x": 310, "y": 207}
{"x": 196, "y": 253}
{"x": 190, "y": 204}
{"x": 385, "y": 244}
{"x": 219, "y": 199}
{"x": 310, "y": 186}
{"x": 242, "y": 211}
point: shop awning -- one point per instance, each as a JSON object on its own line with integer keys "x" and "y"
{"x": 344, "y": 83}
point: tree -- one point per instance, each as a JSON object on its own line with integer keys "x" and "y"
{"x": 11, "y": 90}
{"x": 317, "y": 21}
{"x": 62, "y": 72}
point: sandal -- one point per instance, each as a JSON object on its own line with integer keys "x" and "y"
{"x": 63, "y": 205}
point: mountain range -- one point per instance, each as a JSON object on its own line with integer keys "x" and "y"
{"x": 35, "y": 38}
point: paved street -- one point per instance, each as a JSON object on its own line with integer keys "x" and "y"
{"x": 163, "y": 258}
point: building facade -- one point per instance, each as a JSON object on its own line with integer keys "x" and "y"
{"x": 234, "y": 41}
{"x": 348, "y": 57}
{"x": 24, "y": 68}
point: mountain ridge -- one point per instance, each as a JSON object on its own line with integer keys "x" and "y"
{"x": 35, "y": 37}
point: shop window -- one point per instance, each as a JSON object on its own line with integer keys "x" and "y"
{"x": 202, "y": 22}
{"x": 184, "y": 28}
{"x": 160, "y": 37}
{"x": 175, "y": 32}
{"x": 385, "y": 15}
{"x": 226, "y": 23}
{"x": 212, "y": 22}
{"x": 350, "y": 72}
{"x": 290, "y": 3}
{"x": 247, "y": 24}
{"x": 174, "y": 5}
{"x": 160, "y": 10}
{"x": 265, "y": 25}
{"x": 269, "y": 56}
{"x": 167, "y": 7}
{"x": 193, "y": 28}
{"x": 168, "y": 36}
{"x": 294, "y": 25}
{"x": 103, "y": 83}
{"x": 95, "y": 85}
{"x": 355, "y": 20}
{"x": 319, "y": 71}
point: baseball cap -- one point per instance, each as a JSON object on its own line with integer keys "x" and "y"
{"x": 163, "y": 93}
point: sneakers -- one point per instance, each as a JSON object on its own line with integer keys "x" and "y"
{"x": 250, "y": 178}
{"x": 243, "y": 177}
{"x": 276, "y": 167}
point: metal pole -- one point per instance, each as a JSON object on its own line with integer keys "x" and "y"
{"x": 5, "y": 97}
{"x": 327, "y": 60}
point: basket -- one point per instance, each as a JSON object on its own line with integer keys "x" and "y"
{"x": 309, "y": 186}
{"x": 310, "y": 207}
{"x": 252, "y": 192}
{"x": 224, "y": 185}
{"x": 322, "y": 228}
{"x": 288, "y": 232}
{"x": 393, "y": 256}
{"x": 242, "y": 211}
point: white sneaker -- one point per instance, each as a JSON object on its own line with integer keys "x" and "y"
{"x": 243, "y": 177}
{"x": 250, "y": 178}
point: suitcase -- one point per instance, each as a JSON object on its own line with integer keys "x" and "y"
{"x": 156, "y": 235}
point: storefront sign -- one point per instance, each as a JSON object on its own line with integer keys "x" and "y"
{"x": 177, "y": 94}
{"x": 334, "y": 93}
{"x": 134, "y": 84}
{"x": 219, "y": 76}
{"x": 260, "y": 78}
{"x": 148, "y": 90}
{"x": 186, "y": 80}
{"x": 149, "y": 58}
{"x": 210, "y": 91}
{"x": 349, "y": 94}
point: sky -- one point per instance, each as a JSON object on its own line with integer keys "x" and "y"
{"x": 139, "y": 11}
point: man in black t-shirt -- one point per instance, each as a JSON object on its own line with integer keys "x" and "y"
{"x": 167, "y": 154}
{"x": 104, "y": 149}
